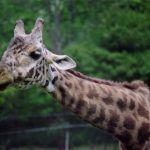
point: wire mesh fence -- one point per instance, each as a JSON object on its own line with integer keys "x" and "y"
{"x": 52, "y": 133}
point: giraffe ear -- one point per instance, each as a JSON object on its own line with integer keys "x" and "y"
{"x": 62, "y": 62}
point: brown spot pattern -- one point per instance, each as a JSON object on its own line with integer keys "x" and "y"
{"x": 61, "y": 78}
{"x": 71, "y": 102}
{"x": 107, "y": 100}
{"x": 68, "y": 84}
{"x": 131, "y": 105}
{"x": 111, "y": 129}
{"x": 67, "y": 75}
{"x": 143, "y": 112}
{"x": 63, "y": 94}
{"x": 114, "y": 118}
{"x": 91, "y": 110}
{"x": 129, "y": 122}
{"x": 31, "y": 72}
{"x": 121, "y": 104}
{"x": 124, "y": 137}
{"x": 143, "y": 133}
{"x": 79, "y": 105}
{"x": 92, "y": 92}
{"x": 37, "y": 73}
{"x": 55, "y": 79}
{"x": 54, "y": 94}
{"x": 99, "y": 118}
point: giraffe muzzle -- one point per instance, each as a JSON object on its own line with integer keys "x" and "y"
{"x": 5, "y": 77}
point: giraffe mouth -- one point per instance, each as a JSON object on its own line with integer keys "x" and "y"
{"x": 5, "y": 77}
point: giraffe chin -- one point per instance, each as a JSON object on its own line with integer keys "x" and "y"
{"x": 5, "y": 77}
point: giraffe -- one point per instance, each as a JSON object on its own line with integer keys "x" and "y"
{"x": 120, "y": 109}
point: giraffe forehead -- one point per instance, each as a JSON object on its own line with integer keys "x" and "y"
{"x": 17, "y": 40}
{"x": 27, "y": 41}
{"x": 31, "y": 48}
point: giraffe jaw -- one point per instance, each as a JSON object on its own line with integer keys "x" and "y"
{"x": 5, "y": 77}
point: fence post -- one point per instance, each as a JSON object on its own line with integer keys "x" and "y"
{"x": 67, "y": 139}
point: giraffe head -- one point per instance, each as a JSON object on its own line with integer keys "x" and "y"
{"x": 27, "y": 61}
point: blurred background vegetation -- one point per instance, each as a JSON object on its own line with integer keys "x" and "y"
{"x": 108, "y": 39}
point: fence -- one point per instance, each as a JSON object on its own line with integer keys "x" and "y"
{"x": 67, "y": 134}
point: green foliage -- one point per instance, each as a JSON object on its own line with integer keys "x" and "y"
{"x": 25, "y": 103}
{"x": 122, "y": 26}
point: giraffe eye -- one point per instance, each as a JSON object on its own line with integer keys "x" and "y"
{"x": 35, "y": 55}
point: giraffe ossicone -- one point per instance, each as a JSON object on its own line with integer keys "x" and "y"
{"x": 121, "y": 109}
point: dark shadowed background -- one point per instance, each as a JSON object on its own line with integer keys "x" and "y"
{"x": 108, "y": 39}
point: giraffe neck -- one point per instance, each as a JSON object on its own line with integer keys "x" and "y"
{"x": 119, "y": 110}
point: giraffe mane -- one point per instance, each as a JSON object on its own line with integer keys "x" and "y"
{"x": 134, "y": 85}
